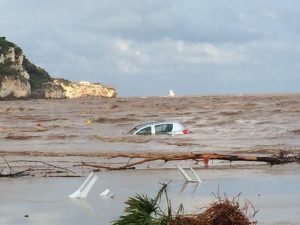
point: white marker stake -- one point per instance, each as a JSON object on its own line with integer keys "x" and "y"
{"x": 85, "y": 187}
{"x": 187, "y": 177}
{"x": 105, "y": 192}
{"x": 196, "y": 175}
{"x": 89, "y": 186}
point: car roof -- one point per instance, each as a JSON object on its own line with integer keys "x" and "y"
{"x": 155, "y": 123}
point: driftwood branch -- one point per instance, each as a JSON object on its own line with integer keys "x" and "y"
{"x": 45, "y": 163}
{"x": 283, "y": 157}
{"x": 23, "y": 172}
{"x": 16, "y": 174}
{"x": 7, "y": 163}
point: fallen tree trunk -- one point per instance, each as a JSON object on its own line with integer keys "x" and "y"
{"x": 283, "y": 157}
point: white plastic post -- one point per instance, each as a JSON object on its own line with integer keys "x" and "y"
{"x": 187, "y": 177}
{"x": 196, "y": 175}
{"x": 88, "y": 186}
{"x": 85, "y": 187}
{"x": 105, "y": 192}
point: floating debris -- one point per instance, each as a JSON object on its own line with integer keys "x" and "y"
{"x": 88, "y": 122}
{"x": 107, "y": 193}
{"x": 221, "y": 212}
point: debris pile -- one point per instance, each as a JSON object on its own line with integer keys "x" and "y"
{"x": 288, "y": 156}
{"x": 221, "y": 212}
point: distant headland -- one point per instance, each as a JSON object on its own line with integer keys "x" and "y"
{"x": 21, "y": 79}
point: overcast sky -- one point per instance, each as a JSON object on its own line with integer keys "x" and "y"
{"x": 144, "y": 48}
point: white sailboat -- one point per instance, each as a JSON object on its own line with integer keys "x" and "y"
{"x": 171, "y": 93}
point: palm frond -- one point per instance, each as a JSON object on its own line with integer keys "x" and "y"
{"x": 143, "y": 210}
{"x": 139, "y": 211}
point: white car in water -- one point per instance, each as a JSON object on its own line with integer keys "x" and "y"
{"x": 159, "y": 128}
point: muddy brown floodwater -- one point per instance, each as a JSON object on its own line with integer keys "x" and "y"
{"x": 65, "y": 132}
{"x": 257, "y": 123}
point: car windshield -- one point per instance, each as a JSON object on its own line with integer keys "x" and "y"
{"x": 132, "y": 131}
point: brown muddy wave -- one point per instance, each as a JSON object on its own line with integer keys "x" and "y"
{"x": 20, "y": 137}
{"x": 114, "y": 120}
{"x": 120, "y": 139}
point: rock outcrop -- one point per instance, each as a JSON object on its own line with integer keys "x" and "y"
{"x": 14, "y": 87}
{"x": 84, "y": 89}
{"x": 19, "y": 78}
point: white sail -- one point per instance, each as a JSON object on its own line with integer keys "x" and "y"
{"x": 171, "y": 93}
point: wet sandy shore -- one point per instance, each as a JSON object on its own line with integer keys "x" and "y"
{"x": 274, "y": 191}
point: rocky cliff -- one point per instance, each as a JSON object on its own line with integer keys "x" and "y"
{"x": 19, "y": 78}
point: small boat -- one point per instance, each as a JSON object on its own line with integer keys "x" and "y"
{"x": 171, "y": 93}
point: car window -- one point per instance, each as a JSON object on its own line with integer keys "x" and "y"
{"x": 144, "y": 131}
{"x": 163, "y": 128}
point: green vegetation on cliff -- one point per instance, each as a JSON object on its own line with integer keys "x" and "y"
{"x": 38, "y": 76}
{"x": 6, "y": 69}
{"x": 5, "y": 45}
